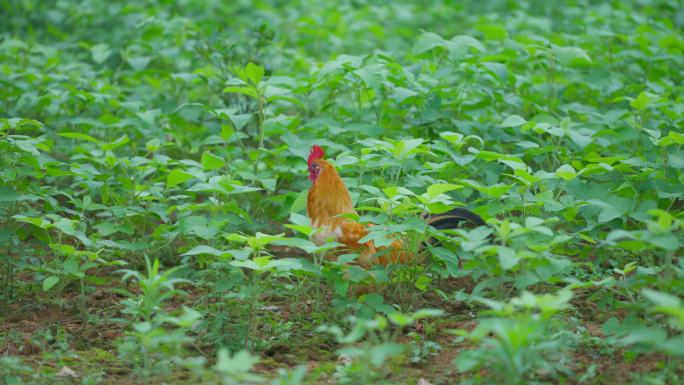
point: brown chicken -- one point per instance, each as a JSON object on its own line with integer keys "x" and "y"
{"x": 328, "y": 200}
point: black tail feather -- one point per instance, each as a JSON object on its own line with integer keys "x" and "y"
{"x": 453, "y": 218}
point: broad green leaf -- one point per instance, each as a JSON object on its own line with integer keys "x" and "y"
{"x": 254, "y": 73}
{"x": 39, "y": 222}
{"x": 513, "y": 121}
{"x": 428, "y": 313}
{"x": 237, "y": 366}
{"x": 100, "y": 52}
{"x": 441, "y": 188}
{"x": 299, "y": 203}
{"x": 672, "y": 137}
{"x": 211, "y": 161}
{"x": 138, "y": 63}
{"x": 117, "y": 143}
{"x": 507, "y": 257}
{"x": 460, "y": 41}
{"x": 249, "y": 91}
{"x": 642, "y": 101}
{"x": 428, "y": 41}
{"x": 260, "y": 240}
{"x": 495, "y": 191}
{"x": 7, "y": 194}
{"x": 198, "y": 226}
{"x": 452, "y": 137}
{"x": 49, "y": 282}
{"x": 177, "y": 176}
{"x": 566, "y": 172}
{"x": 570, "y": 55}
{"x": 203, "y": 249}
{"x": 400, "y": 94}
{"x": 662, "y": 299}
{"x": 152, "y": 145}
{"x": 240, "y": 120}
{"x": 268, "y": 183}
{"x": 78, "y": 135}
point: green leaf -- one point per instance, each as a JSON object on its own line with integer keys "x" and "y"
{"x": 49, "y": 282}
{"x": 152, "y": 145}
{"x": 199, "y": 226}
{"x": 39, "y": 222}
{"x": 401, "y": 149}
{"x": 467, "y": 361}
{"x": 507, "y": 257}
{"x": 428, "y": 41}
{"x": 268, "y": 183}
{"x": 513, "y": 121}
{"x": 400, "y": 319}
{"x": 400, "y": 94}
{"x": 299, "y": 203}
{"x": 247, "y": 264}
{"x": 380, "y": 238}
{"x": 100, "y": 52}
{"x": 493, "y": 31}
{"x": 612, "y": 207}
{"x": 300, "y": 243}
{"x": 78, "y": 135}
{"x": 570, "y": 55}
{"x": 460, "y": 41}
{"x": 380, "y": 353}
{"x": 7, "y": 194}
{"x": 642, "y": 101}
{"x": 138, "y": 63}
{"x": 211, "y": 161}
{"x": 672, "y": 137}
{"x": 65, "y": 225}
{"x": 452, "y": 137}
{"x": 566, "y": 172}
{"x": 203, "y": 249}
{"x": 428, "y": 313}
{"x": 116, "y": 144}
{"x": 662, "y": 299}
{"x": 240, "y": 120}
{"x": 249, "y": 91}
{"x": 177, "y": 176}
{"x": 495, "y": 191}
{"x": 260, "y": 240}
{"x": 237, "y": 366}
{"x": 441, "y": 188}
{"x": 254, "y": 73}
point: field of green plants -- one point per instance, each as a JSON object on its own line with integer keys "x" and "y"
{"x": 153, "y": 187}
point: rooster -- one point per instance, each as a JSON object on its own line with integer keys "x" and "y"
{"x": 328, "y": 200}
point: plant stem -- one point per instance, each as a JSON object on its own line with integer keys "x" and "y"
{"x": 83, "y": 303}
{"x": 9, "y": 278}
{"x": 260, "y": 128}
{"x": 318, "y": 257}
{"x": 252, "y": 306}
{"x": 396, "y": 178}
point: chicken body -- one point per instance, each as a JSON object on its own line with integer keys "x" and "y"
{"x": 329, "y": 199}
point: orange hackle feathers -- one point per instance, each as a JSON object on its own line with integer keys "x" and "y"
{"x": 328, "y": 197}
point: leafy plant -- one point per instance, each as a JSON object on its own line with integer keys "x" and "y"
{"x": 157, "y": 134}
{"x": 518, "y": 343}
{"x": 156, "y": 338}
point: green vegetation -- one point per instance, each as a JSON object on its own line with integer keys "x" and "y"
{"x": 153, "y": 187}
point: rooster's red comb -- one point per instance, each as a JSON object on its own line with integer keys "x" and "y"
{"x": 316, "y": 153}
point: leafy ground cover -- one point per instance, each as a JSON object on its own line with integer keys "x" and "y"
{"x": 153, "y": 189}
